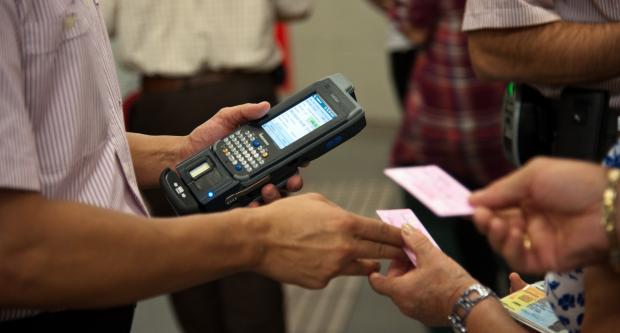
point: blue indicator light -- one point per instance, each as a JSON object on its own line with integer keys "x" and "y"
{"x": 210, "y": 194}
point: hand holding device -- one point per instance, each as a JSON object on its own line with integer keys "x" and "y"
{"x": 232, "y": 171}
{"x": 222, "y": 124}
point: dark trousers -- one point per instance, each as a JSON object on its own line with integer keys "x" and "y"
{"x": 245, "y": 302}
{"x": 115, "y": 320}
{"x": 402, "y": 64}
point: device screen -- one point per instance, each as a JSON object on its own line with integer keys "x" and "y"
{"x": 299, "y": 121}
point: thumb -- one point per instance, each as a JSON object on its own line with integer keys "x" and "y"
{"x": 417, "y": 242}
{"x": 516, "y": 283}
{"x": 232, "y": 117}
{"x": 380, "y": 283}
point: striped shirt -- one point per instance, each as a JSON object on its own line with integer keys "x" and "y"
{"x": 498, "y": 14}
{"x": 182, "y": 37}
{"x": 60, "y": 109}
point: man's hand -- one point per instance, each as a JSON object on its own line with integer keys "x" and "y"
{"x": 545, "y": 216}
{"x": 222, "y": 124}
{"x": 428, "y": 291}
{"x": 307, "y": 240}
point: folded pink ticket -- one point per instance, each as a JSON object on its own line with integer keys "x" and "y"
{"x": 435, "y": 188}
{"x": 397, "y": 218}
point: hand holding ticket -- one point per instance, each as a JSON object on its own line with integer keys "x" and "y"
{"x": 435, "y": 188}
{"x": 399, "y": 217}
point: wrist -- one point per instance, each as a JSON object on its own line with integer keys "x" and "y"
{"x": 254, "y": 231}
{"x": 462, "y": 285}
{"x": 470, "y": 299}
{"x": 183, "y": 149}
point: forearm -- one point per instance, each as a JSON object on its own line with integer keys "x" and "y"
{"x": 152, "y": 154}
{"x": 555, "y": 53}
{"x": 601, "y": 287}
{"x": 488, "y": 316}
{"x": 67, "y": 255}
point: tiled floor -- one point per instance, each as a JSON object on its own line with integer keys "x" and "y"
{"x": 351, "y": 176}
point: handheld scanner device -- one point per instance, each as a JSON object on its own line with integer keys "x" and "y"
{"x": 232, "y": 171}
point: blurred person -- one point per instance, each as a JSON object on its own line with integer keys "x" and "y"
{"x": 433, "y": 303}
{"x": 76, "y": 245}
{"x": 452, "y": 119}
{"x": 402, "y": 54}
{"x": 195, "y": 57}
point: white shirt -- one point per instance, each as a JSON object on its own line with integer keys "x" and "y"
{"x": 182, "y": 37}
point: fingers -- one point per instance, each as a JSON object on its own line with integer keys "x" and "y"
{"x": 232, "y": 117}
{"x": 399, "y": 267}
{"x": 374, "y": 230}
{"x": 497, "y": 232}
{"x": 514, "y": 251}
{"x": 373, "y": 250}
{"x": 516, "y": 283}
{"x": 505, "y": 192}
{"x": 482, "y": 219}
{"x": 417, "y": 243}
{"x": 361, "y": 267}
{"x": 381, "y": 284}
{"x": 295, "y": 183}
{"x": 270, "y": 193}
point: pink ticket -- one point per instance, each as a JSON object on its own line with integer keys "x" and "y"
{"x": 398, "y": 217}
{"x": 435, "y": 188}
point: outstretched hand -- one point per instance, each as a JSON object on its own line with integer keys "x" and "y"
{"x": 545, "y": 216}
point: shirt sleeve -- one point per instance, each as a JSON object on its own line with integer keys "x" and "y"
{"x": 18, "y": 154}
{"x": 292, "y": 8}
{"x": 500, "y": 14}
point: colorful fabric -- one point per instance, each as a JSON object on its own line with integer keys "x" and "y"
{"x": 452, "y": 118}
{"x": 567, "y": 299}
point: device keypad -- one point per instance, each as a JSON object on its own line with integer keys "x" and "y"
{"x": 245, "y": 151}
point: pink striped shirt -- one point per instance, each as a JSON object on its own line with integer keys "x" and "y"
{"x": 60, "y": 109}
{"x": 498, "y": 14}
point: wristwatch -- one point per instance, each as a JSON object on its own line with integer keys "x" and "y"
{"x": 461, "y": 309}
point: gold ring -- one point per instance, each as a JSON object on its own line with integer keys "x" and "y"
{"x": 527, "y": 243}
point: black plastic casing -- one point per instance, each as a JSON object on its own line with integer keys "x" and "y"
{"x": 223, "y": 188}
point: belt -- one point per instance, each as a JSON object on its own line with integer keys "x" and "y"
{"x": 158, "y": 83}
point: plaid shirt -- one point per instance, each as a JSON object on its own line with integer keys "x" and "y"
{"x": 452, "y": 119}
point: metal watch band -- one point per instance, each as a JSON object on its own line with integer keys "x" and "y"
{"x": 463, "y": 306}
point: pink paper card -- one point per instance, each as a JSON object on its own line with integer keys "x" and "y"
{"x": 435, "y": 188}
{"x": 397, "y": 218}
